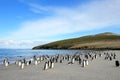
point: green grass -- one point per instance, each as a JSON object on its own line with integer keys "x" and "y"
{"x": 69, "y": 43}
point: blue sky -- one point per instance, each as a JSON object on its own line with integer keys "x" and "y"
{"x": 27, "y": 23}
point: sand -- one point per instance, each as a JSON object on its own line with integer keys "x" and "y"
{"x": 98, "y": 69}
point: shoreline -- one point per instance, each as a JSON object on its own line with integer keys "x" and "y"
{"x": 13, "y": 59}
{"x": 105, "y": 49}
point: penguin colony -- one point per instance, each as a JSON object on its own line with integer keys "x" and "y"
{"x": 49, "y": 61}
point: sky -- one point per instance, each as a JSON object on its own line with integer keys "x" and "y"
{"x": 28, "y": 23}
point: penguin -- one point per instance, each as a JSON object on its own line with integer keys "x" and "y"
{"x": 95, "y": 56}
{"x": 111, "y": 54}
{"x": 110, "y": 58}
{"x": 24, "y": 60}
{"x": 38, "y": 59}
{"x": 27, "y": 63}
{"x": 34, "y": 57}
{"x": 30, "y": 62}
{"x": 19, "y": 63}
{"x": 41, "y": 58}
{"x": 86, "y": 61}
{"x": 83, "y": 63}
{"x": 49, "y": 63}
{"x": 22, "y": 65}
{"x": 36, "y": 62}
{"x": 6, "y": 62}
{"x": 16, "y": 62}
{"x": 68, "y": 57}
{"x": 117, "y": 63}
{"x": 80, "y": 60}
{"x": 114, "y": 56}
{"x": 61, "y": 61}
{"x": 56, "y": 60}
{"x": 92, "y": 58}
{"x": 73, "y": 60}
{"x": 52, "y": 65}
{"x": 63, "y": 57}
{"x": 86, "y": 56}
{"x": 100, "y": 55}
{"x": 46, "y": 66}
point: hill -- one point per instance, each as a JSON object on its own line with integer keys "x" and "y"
{"x": 106, "y": 40}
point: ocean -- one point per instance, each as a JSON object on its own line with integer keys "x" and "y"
{"x": 15, "y": 54}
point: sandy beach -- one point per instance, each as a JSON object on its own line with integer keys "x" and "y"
{"x": 98, "y": 69}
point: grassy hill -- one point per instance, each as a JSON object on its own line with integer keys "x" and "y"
{"x": 99, "y": 41}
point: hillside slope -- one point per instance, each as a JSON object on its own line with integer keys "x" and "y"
{"x": 99, "y": 41}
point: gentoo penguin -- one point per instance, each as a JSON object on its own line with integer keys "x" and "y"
{"x": 110, "y": 58}
{"x": 92, "y": 58}
{"x": 83, "y": 63}
{"x": 114, "y": 56}
{"x": 86, "y": 56}
{"x": 19, "y": 63}
{"x": 49, "y": 63}
{"x": 34, "y": 57}
{"x": 80, "y": 60}
{"x": 22, "y": 65}
{"x": 36, "y": 62}
{"x": 46, "y": 66}
{"x": 56, "y": 60}
{"x": 117, "y": 63}
{"x": 100, "y": 55}
{"x": 27, "y": 63}
{"x": 73, "y": 60}
{"x": 95, "y": 56}
{"x": 61, "y": 61}
{"x": 16, "y": 62}
{"x": 39, "y": 61}
{"x": 24, "y": 60}
{"x": 86, "y": 61}
{"x": 52, "y": 65}
{"x": 6, "y": 62}
{"x": 68, "y": 57}
{"x": 41, "y": 58}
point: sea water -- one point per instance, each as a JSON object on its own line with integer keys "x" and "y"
{"x": 15, "y": 54}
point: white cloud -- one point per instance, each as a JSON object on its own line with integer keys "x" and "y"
{"x": 36, "y": 8}
{"x": 94, "y": 15}
{"x": 20, "y": 44}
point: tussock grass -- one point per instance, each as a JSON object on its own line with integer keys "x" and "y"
{"x": 99, "y": 41}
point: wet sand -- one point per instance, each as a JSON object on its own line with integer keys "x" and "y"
{"x": 98, "y": 69}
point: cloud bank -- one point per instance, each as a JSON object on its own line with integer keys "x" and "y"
{"x": 20, "y": 44}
